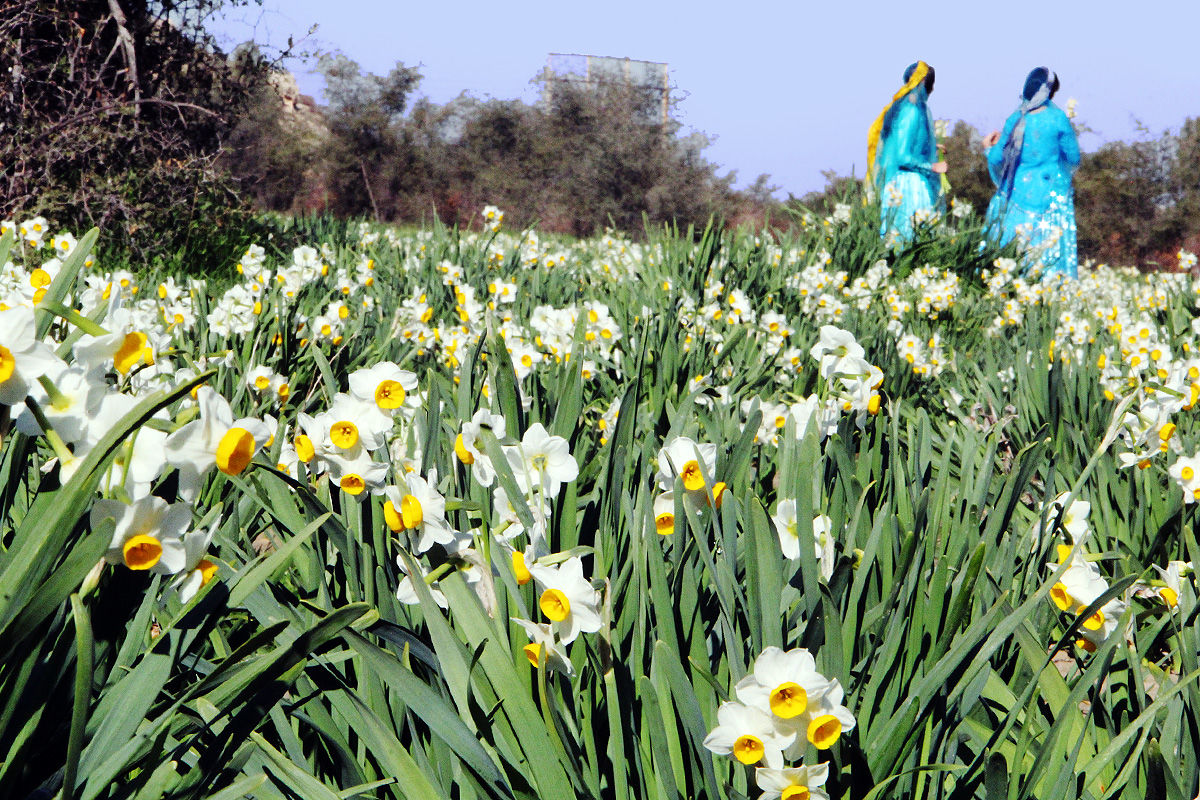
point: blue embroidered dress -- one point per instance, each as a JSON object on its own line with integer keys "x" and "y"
{"x": 1039, "y": 207}
{"x": 907, "y": 183}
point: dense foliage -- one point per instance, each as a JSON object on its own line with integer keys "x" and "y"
{"x": 113, "y": 113}
{"x": 582, "y": 159}
{"x": 437, "y": 514}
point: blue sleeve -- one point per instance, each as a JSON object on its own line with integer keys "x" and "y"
{"x": 995, "y": 154}
{"x": 909, "y": 134}
{"x": 1068, "y": 143}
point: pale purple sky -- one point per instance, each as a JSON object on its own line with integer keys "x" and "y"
{"x": 786, "y": 88}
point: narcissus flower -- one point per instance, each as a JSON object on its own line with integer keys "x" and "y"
{"x": 469, "y": 450}
{"x": 542, "y": 460}
{"x": 1172, "y": 578}
{"x": 148, "y": 533}
{"x": 792, "y": 702}
{"x": 356, "y": 474}
{"x": 823, "y": 722}
{"x": 139, "y": 460}
{"x": 1079, "y": 585}
{"x": 1074, "y": 518}
{"x": 466, "y": 562}
{"x": 798, "y": 783}
{"x": 352, "y": 424}
{"x": 260, "y": 378}
{"x": 664, "y": 513}
{"x": 783, "y": 683}
{"x": 568, "y": 599}
{"x": 415, "y": 506}
{"x": 749, "y": 735}
{"x": 197, "y": 569}
{"x": 541, "y": 640}
{"x": 390, "y": 388}
{"x": 508, "y": 525}
{"x": 1077, "y": 589}
{"x": 23, "y": 357}
{"x": 123, "y": 350}
{"x": 69, "y": 401}
{"x": 837, "y": 352}
{"x": 216, "y": 439}
{"x": 788, "y": 528}
{"x": 693, "y": 463}
{"x": 1186, "y": 472}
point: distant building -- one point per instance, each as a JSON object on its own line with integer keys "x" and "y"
{"x": 593, "y": 71}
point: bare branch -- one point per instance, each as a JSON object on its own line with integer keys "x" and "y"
{"x": 127, "y": 44}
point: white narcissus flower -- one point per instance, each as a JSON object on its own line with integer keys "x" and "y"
{"x": 797, "y": 783}
{"x": 542, "y": 460}
{"x": 1100, "y": 624}
{"x": 310, "y": 441}
{"x": 1186, "y": 472}
{"x": 148, "y": 533}
{"x": 832, "y": 348}
{"x": 469, "y": 450}
{"x": 803, "y": 705}
{"x": 541, "y": 638}
{"x": 407, "y": 593}
{"x": 1074, "y": 518}
{"x": 824, "y": 542}
{"x": 214, "y": 440}
{"x": 664, "y": 513}
{"x": 23, "y": 357}
{"x": 386, "y": 385}
{"x": 1172, "y": 576}
{"x": 809, "y": 412}
{"x": 1078, "y": 588}
{"x": 416, "y": 506}
{"x": 197, "y": 570}
{"x": 351, "y": 424}
{"x": 567, "y": 599}
{"x": 1079, "y": 585}
{"x": 356, "y": 472}
{"x": 690, "y": 461}
{"x": 124, "y": 350}
{"x": 783, "y": 684}
{"x": 788, "y": 528}
{"x": 508, "y": 525}
{"x": 139, "y": 460}
{"x": 822, "y": 723}
{"x": 33, "y": 232}
{"x": 77, "y": 396}
{"x": 260, "y": 378}
{"x": 466, "y": 562}
{"x": 749, "y": 735}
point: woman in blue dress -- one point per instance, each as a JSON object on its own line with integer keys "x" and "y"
{"x": 1031, "y": 163}
{"x": 904, "y": 171}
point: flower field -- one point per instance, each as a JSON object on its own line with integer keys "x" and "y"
{"x": 444, "y": 514}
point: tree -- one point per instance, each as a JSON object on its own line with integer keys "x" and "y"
{"x": 370, "y": 160}
{"x": 114, "y": 112}
{"x": 966, "y": 164}
{"x": 274, "y": 151}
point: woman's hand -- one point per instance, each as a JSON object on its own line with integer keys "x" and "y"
{"x": 939, "y": 167}
{"x": 991, "y": 139}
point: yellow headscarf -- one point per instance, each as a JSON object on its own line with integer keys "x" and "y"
{"x": 914, "y": 80}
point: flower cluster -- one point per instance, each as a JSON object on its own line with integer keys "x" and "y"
{"x": 782, "y": 706}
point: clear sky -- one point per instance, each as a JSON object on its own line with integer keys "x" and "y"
{"x": 786, "y": 88}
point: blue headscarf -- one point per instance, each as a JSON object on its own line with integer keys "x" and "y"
{"x": 919, "y": 95}
{"x": 1039, "y": 86}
